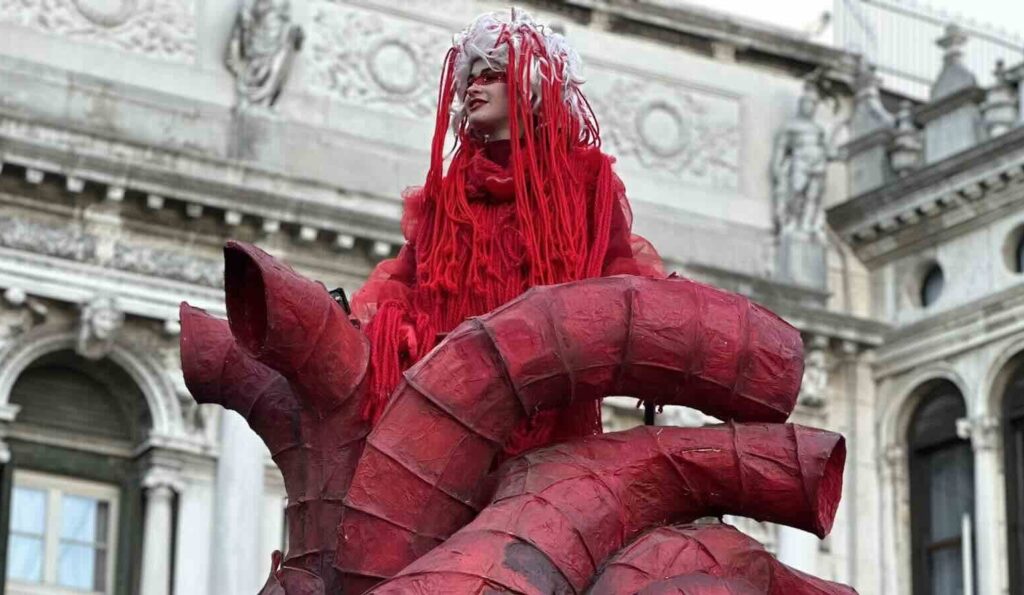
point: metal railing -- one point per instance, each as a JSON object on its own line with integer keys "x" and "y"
{"x": 898, "y": 36}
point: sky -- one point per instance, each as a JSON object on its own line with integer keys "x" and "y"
{"x": 803, "y": 15}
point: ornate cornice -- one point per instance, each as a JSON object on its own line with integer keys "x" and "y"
{"x": 68, "y": 281}
{"x": 163, "y": 179}
{"x": 969, "y": 182}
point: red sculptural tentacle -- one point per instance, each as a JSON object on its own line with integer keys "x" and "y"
{"x": 294, "y": 326}
{"x": 559, "y": 512}
{"x": 715, "y": 550}
{"x": 699, "y": 584}
{"x": 300, "y": 398}
{"x": 671, "y": 341}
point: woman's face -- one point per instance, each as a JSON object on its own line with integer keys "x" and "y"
{"x": 487, "y": 102}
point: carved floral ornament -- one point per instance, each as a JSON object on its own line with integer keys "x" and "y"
{"x": 691, "y": 134}
{"x": 164, "y": 29}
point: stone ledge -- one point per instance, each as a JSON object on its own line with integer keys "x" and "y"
{"x": 235, "y": 189}
{"x": 74, "y": 282}
{"x": 967, "y": 177}
{"x": 958, "y": 330}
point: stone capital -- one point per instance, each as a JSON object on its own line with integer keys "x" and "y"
{"x": 894, "y": 461}
{"x": 160, "y": 480}
{"x": 983, "y": 432}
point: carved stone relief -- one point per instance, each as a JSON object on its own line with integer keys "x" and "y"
{"x": 261, "y": 50}
{"x": 62, "y": 242}
{"x": 98, "y": 327}
{"x": 370, "y": 59}
{"x": 169, "y": 264}
{"x": 692, "y": 134}
{"x": 163, "y": 29}
{"x": 73, "y": 244}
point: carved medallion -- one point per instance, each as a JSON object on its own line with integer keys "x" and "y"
{"x": 689, "y": 134}
{"x": 379, "y": 61}
{"x": 392, "y": 64}
{"x": 107, "y": 13}
{"x": 660, "y": 127}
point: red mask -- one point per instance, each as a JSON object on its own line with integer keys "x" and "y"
{"x": 486, "y": 77}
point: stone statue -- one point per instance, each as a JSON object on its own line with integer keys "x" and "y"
{"x": 799, "y": 159}
{"x": 263, "y": 43}
{"x": 101, "y": 320}
{"x": 814, "y": 388}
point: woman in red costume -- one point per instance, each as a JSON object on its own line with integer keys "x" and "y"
{"x": 528, "y": 199}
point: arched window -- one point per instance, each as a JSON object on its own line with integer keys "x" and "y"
{"x": 1013, "y": 416}
{"x": 941, "y": 492}
{"x": 75, "y": 516}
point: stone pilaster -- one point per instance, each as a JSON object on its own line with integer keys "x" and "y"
{"x": 160, "y": 487}
{"x": 984, "y": 434}
{"x": 237, "y": 561}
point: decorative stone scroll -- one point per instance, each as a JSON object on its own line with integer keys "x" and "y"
{"x": 72, "y": 244}
{"x": 164, "y": 29}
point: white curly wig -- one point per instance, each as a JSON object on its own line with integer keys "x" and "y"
{"x": 482, "y": 40}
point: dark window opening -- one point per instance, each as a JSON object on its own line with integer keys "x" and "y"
{"x": 1019, "y": 254}
{"x": 1013, "y": 414}
{"x": 941, "y": 493}
{"x": 932, "y": 285}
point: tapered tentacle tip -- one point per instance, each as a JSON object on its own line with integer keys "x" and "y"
{"x": 203, "y": 343}
{"x": 245, "y": 293}
{"x": 830, "y": 485}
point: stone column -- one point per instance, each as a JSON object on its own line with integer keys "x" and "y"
{"x": 156, "y": 539}
{"x": 1020, "y": 100}
{"x": 8, "y": 411}
{"x": 238, "y": 565}
{"x": 988, "y": 531}
{"x": 893, "y": 471}
{"x": 798, "y": 549}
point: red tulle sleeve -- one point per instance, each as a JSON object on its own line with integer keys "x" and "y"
{"x": 628, "y": 253}
{"x": 392, "y": 279}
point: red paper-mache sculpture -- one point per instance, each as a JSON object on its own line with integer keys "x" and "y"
{"x": 444, "y": 436}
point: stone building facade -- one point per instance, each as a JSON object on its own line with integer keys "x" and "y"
{"x": 135, "y": 139}
{"x": 935, "y": 214}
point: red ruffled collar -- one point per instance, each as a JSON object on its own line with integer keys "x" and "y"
{"x": 488, "y": 177}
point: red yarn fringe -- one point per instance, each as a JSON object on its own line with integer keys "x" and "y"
{"x": 385, "y": 368}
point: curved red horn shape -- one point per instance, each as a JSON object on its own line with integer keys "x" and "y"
{"x": 709, "y": 550}
{"x": 671, "y": 341}
{"x": 559, "y": 512}
{"x": 300, "y": 395}
{"x": 294, "y": 326}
